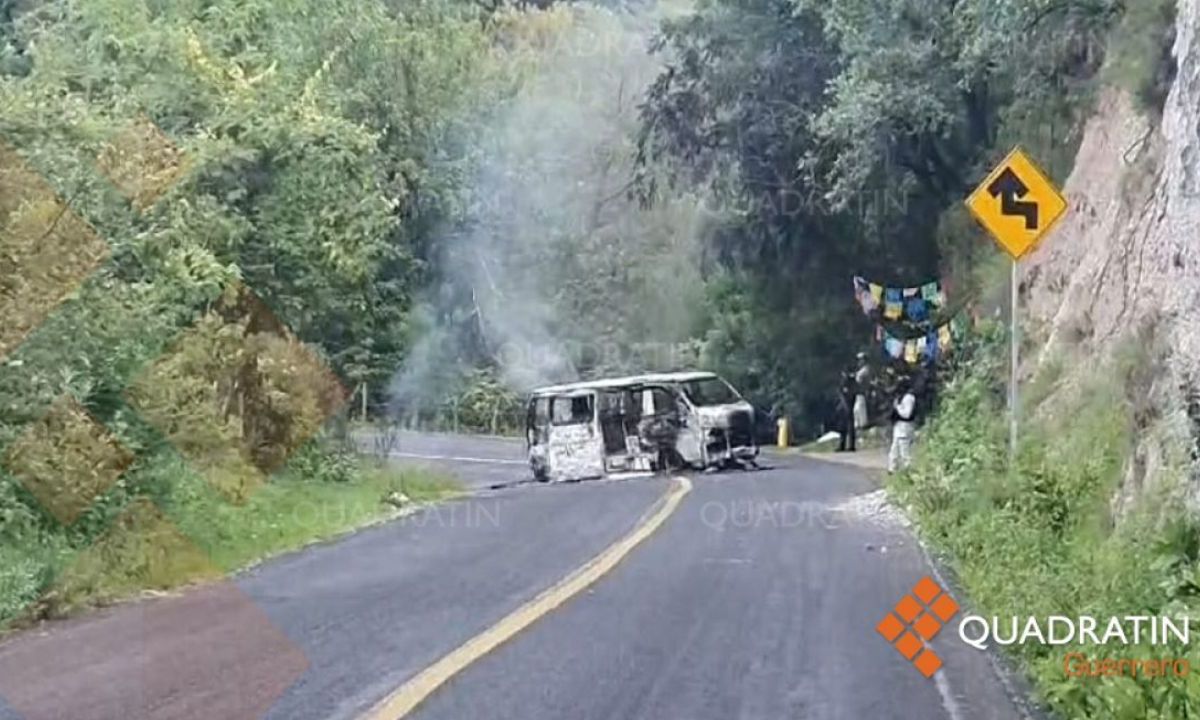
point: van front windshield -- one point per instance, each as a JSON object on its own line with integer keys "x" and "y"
{"x": 710, "y": 391}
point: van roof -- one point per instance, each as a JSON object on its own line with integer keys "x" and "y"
{"x": 609, "y": 383}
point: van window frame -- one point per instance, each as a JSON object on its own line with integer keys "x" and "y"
{"x": 537, "y": 420}
{"x": 669, "y": 394}
{"x": 589, "y": 398}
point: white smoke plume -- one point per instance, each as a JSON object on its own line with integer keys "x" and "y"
{"x": 551, "y": 225}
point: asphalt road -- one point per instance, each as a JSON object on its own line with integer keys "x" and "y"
{"x": 757, "y": 598}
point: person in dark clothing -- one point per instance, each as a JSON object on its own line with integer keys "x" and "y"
{"x": 846, "y": 396}
{"x": 841, "y": 416}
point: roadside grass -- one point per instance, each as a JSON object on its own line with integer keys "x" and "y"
{"x": 292, "y": 512}
{"x": 26, "y": 570}
{"x": 193, "y": 534}
{"x": 1042, "y": 540}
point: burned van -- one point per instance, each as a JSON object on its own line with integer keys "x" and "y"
{"x": 642, "y": 423}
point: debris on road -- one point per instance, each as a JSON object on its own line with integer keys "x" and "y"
{"x": 397, "y": 499}
{"x": 875, "y": 508}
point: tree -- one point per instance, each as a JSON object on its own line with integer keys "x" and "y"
{"x": 839, "y": 137}
{"x": 739, "y": 112}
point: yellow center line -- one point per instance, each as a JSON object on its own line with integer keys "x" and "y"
{"x": 412, "y": 693}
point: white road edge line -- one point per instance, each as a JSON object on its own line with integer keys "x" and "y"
{"x": 456, "y": 458}
{"x": 940, "y": 680}
{"x": 948, "y": 701}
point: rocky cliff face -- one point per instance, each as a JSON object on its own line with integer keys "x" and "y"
{"x": 1124, "y": 265}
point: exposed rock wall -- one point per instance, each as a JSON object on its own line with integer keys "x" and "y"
{"x": 1127, "y": 257}
{"x": 1129, "y": 250}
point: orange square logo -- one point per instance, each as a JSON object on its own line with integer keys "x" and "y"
{"x": 908, "y": 645}
{"x": 926, "y": 626}
{"x": 908, "y": 609}
{"x": 926, "y": 590}
{"x": 915, "y": 620}
{"x": 945, "y": 607}
{"x": 928, "y": 663}
{"x": 890, "y": 627}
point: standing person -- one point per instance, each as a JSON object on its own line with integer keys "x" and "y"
{"x": 904, "y": 426}
{"x": 862, "y": 378}
{"x": 846, "y": 395}
{"x": 841, "y": 416}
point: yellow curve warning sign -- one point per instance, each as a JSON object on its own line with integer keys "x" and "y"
{"x": 1017, "y": 204}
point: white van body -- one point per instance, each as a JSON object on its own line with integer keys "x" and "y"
{"x": 638, "y": 423}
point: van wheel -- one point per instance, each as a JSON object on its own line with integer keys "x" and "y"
{"x": 670, "y": 460}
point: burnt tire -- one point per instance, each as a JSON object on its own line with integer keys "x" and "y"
{"x": 669, "y": 460}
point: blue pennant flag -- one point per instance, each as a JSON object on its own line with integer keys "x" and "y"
{"x": 917, "y": 309}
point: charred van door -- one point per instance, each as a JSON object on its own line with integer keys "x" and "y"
{"x": 575, "y": 448}
{"x": 663, "y": 428}
{"x": 668, "y": 407}
{"x": 618, "y": 414}
{"x": 537, "y": 436}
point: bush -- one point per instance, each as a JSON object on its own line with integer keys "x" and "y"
{"x": 1040, "y": 540}
{"x": 169, "y": 526}
{"x": 1140, "y": 51}
{"x": 487, "y": 405}
{"x": 318, "y": 462}
{"x": 26, "y": 572}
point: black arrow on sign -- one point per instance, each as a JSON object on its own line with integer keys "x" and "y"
{"x": 1008, "y": 187}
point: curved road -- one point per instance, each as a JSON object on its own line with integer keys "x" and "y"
{"x": 756, "y": 599}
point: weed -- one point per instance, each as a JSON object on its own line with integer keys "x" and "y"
{"x": 1043, "y": 384}
{"x": 1040, "y": 540}
{"x": 1140, "y": 58}
{"x": 179, "y": 529}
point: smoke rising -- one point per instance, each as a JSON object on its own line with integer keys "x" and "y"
{"x": 556, "y": 270}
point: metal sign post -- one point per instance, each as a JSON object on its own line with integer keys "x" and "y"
{"x": 1018, "y": 205}
{"x": 1014, "y": 408}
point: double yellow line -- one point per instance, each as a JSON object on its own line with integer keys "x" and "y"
{"x": 412, "y": 693}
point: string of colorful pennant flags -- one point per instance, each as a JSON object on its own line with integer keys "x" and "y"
{"x": 915, "y": 304}
{"x": 918, "y": 305}
{"x": 927, "y": 348}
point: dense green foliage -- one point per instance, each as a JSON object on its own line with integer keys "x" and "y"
{"x": 1142, "y": 61}
{"x": 844, "y": 136}
{"x": 318, "y": 145}
{"x": 1041, "y": 538}
{"x": 450, "y": 201}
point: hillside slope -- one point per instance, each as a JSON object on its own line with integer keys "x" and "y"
{"x": 1124, "y": 265}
